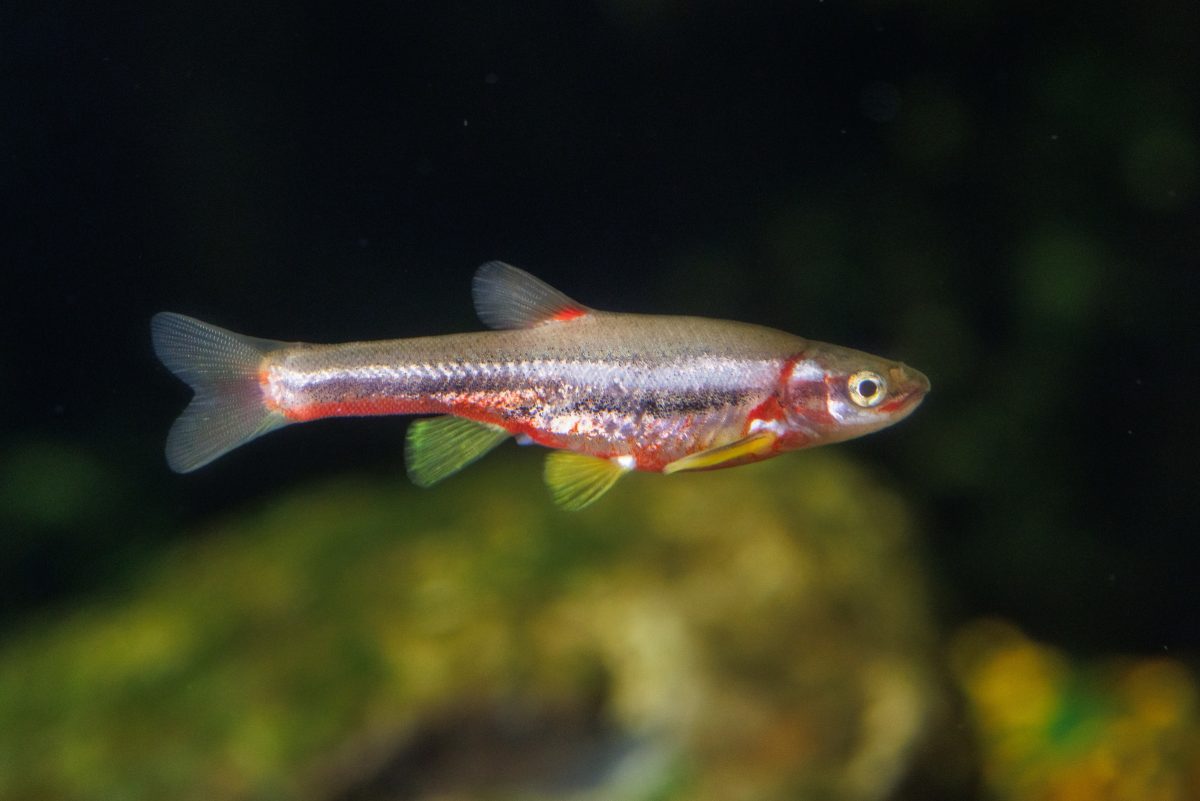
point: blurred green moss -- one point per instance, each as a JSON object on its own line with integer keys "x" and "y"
{"x": 1061, "y": 273}
{"x": 50, "y": 484}
{"x": 754, "y": 630}
{"x": 1160, "y": 167}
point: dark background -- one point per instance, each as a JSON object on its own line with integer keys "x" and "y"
{"x": 1000, "y": 194}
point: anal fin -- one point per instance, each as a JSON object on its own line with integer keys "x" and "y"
{"x": 438, "y": 447}
{"x": 756, "y": 444}
{"x": 577, "y": 480}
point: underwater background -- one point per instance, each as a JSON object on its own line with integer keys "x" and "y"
{"x": 997, "y": 599}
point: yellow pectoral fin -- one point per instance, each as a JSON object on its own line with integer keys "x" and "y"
{"x": 577, "y": 480}
{"x": 756, "y": 444}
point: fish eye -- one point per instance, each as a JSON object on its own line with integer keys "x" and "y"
{"x": 867, "y": 388}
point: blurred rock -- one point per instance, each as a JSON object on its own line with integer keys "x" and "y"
{"x": 1055, "y": 728}
{"x": 753, "y": 633}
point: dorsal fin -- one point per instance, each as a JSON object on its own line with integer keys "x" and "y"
{"x": 506, "y": 297}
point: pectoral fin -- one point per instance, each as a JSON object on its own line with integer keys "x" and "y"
{"x": 441, "y": 446}
{"x": 577, "y": 480}
{"x": 756, "y": 444}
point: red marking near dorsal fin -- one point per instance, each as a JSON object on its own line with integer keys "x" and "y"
{"x": 568, "y": 313}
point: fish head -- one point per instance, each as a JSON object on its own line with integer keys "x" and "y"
{"x": 834, "y": 394}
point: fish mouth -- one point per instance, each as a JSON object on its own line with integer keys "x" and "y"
{"x": 913, "y": 384}
{"x": 917, "y": 380}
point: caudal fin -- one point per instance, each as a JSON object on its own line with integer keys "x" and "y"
{"x": 222, "y": 369}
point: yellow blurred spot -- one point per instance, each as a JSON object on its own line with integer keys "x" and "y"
{"x": 1051, "y": 729}
{"x": 1161, "y": 693}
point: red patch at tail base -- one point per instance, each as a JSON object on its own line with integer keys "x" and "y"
{"x": 264, "y": 381}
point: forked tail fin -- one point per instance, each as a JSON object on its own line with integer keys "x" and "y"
{"x": 222, "y": 368}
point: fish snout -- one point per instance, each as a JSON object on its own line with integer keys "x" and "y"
{"x": 911, "y": 384}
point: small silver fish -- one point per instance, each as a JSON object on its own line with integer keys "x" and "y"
{"x": 610, "y": 392}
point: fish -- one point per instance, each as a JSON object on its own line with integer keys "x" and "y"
{"x": 609, "y": 392}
